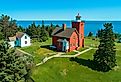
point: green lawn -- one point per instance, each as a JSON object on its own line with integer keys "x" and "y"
{"x": 39, "y": 50}
{"x": 91, "y": 43}
{"x": 65, "y": 70}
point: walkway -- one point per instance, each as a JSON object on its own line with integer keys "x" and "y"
{"x": 60, "y": 55}
{"x": 24, "y": 52}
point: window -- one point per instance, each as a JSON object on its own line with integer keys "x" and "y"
{"x": 25, "y": 42}
{"x": 25, "y": 37}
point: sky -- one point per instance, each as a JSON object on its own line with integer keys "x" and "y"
{"x": 61, "y": 9}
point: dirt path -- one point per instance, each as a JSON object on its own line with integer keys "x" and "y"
{"x": 60, "y": 55}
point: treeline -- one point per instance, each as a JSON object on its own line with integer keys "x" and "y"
{"x": 40, "y": 33}
{"x": 9, "y": 27}
{"x": 117, "y": 36}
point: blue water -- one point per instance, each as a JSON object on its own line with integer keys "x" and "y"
{"x": 90, "y": 26}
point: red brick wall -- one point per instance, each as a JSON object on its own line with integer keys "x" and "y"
{"x": 82, "y": 33}
{"x": 73, "y": 42}
{"x": 80, "y": 28}
{"x": 56, "y": 43}
{"x": 54, "y": 40}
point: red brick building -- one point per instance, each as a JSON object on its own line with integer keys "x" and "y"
{"x": 69, "y": 39}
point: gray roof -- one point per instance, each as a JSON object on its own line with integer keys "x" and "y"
{"x": 19, "y": 34}
{"x": 56, "y": 30}
{"x": 63, "y": 33}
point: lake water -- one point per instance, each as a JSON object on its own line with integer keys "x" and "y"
{"x": 90, "y": 26}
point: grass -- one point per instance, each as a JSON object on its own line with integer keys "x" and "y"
{"x": 64, "y": 70}
{"x": 82, "y": 49}
{"x": 39, "y": 50}
{"x": 91, "y": 43}
{"x": 73, "y": 53}
{"x": 59, "y": 70}
{"x": 70, "y": 53}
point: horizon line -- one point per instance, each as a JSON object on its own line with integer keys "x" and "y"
{"x": 65, "y": 20}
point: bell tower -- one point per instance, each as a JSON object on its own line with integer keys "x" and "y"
{"x": 79, "y": 25}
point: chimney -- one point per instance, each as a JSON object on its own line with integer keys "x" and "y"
{"x": 64, "y": 26}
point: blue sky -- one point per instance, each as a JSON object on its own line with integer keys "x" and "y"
{"x": 61, "y": 9}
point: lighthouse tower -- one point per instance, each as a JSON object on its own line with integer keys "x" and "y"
{"x": 79, "y": 25}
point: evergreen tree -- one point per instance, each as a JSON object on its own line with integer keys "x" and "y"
{"x": 21, "y": 29}
{"x": 51, "y": 25}
{"x": 38, "y": 33}
{"x": 43, "y": 24}
{"x": 1, "y": 36}
{"x": 12, "y": 66}
{"x": 32, "y": 30}
{"x": 9, "y": 27}
{"x": 90, "y": 34}
{"x": 43, "y": 35}
{"x": 105, "y": 55}
{"x": 99, "y": 34}
{"x": 57, "y": 25}
{"x": 119, "y": 40}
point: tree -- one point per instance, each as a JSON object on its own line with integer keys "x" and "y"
{"x": 119, "y": 40}
{"x": 51, "y": 25}
{"x": 1, "y": 36}
{"x": 104, "y": 57}
{"x": 38, "y": 33}
{"x": 43, "y": 35}
{"x": 32, "y": 30}
{"x": 8, "y": 27}
{"x": 43, "y": 24}
{"x": 90, "y": 34}
{"x": 12, "y": 66}
{"x": 99, "y": 34}
{"x": 57, "y": 25}
{"x": 21, "y": 29}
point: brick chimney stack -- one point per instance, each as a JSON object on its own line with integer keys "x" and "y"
{"x": 64, "y": 26}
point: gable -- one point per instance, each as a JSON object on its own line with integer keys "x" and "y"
{"x": 19, "y": 34}
{"x": 27, "y": 36}
{"x": 75, "y": 33}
